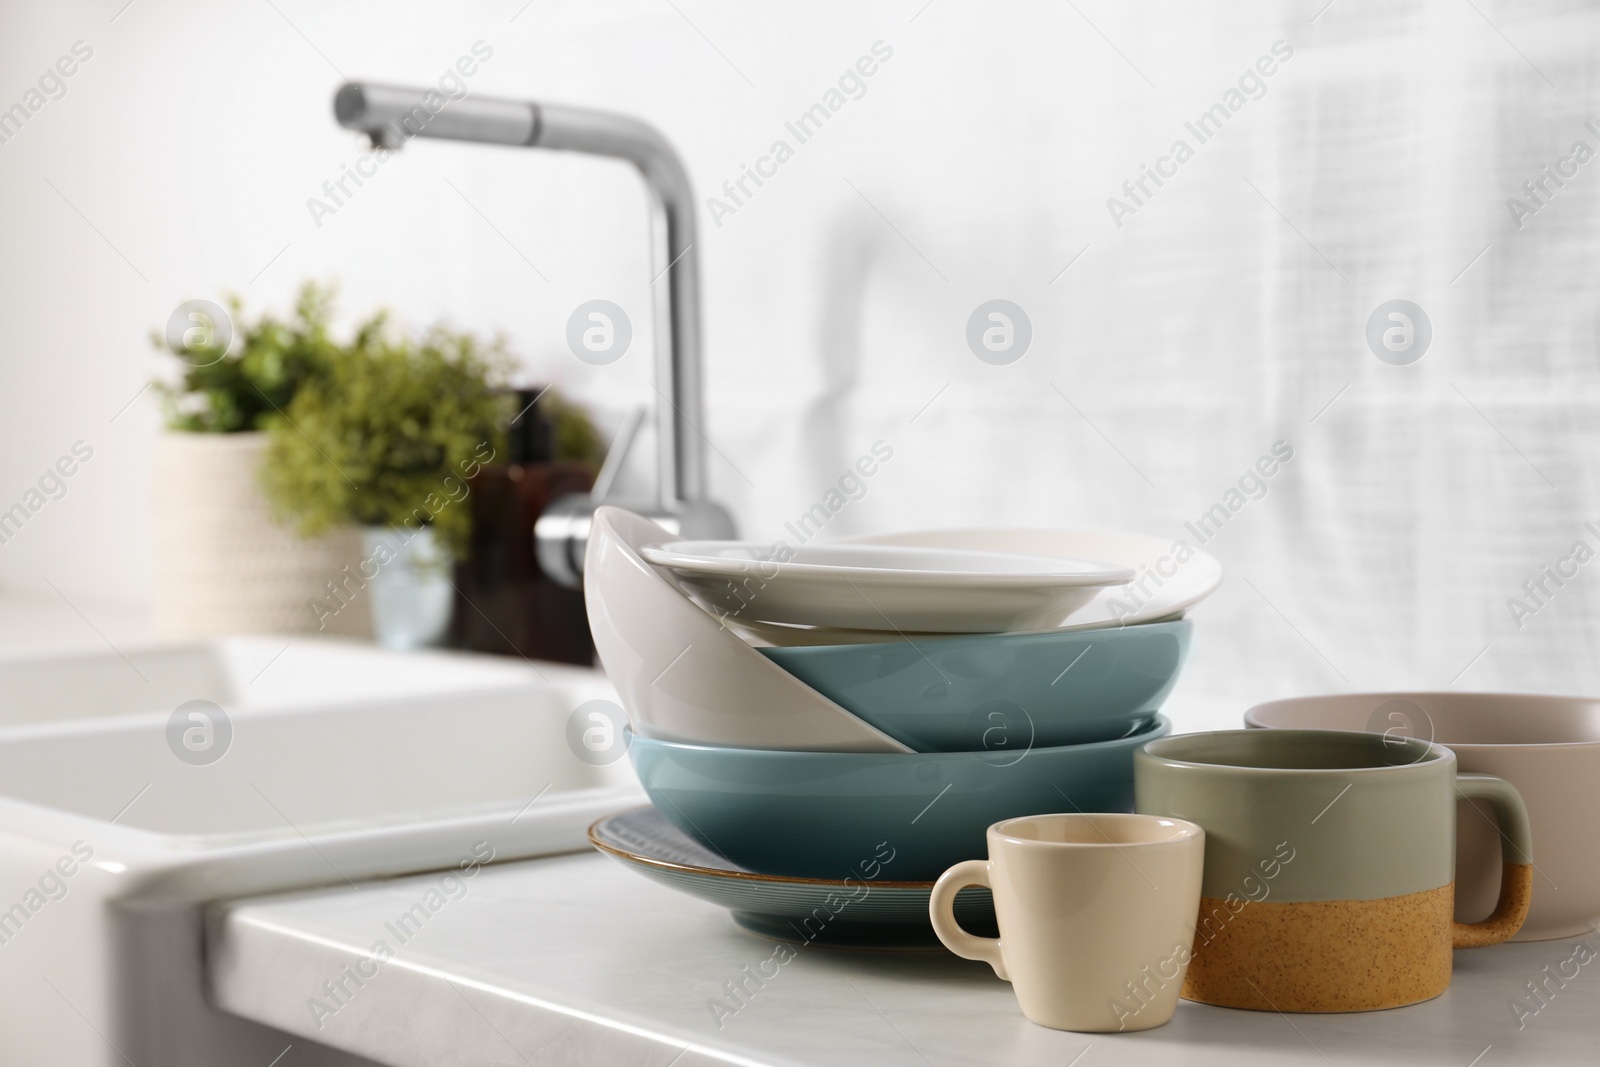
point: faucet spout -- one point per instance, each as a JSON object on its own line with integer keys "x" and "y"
{"x": 392, "y": 115}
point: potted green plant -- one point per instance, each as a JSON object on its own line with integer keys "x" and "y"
{"x": 222, "y": 564}
{"x": 386, "y": 437}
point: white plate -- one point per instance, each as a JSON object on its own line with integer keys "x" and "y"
{"x": 1171, "y": 576}
{"x": 681, "y": 676}
{"x": 886, "y": 587}
{"x": 783, "y": 635}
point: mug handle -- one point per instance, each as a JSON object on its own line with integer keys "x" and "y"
{"x": 941, "y": 911}
{"x": 1516, "y": 868}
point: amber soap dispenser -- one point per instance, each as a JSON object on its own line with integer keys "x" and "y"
{"x": 505, "y": 602}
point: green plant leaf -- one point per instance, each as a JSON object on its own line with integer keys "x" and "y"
{"x": 235, "y": 391}
{"x": 389, "y": 432}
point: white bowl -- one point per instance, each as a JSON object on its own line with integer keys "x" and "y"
{"x": 1546, "y": 746}
{"x": 681, "y": 676}
{"x": 895, "y": 588}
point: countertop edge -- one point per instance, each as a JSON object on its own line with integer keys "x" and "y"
{"x": 396, "y": 1015}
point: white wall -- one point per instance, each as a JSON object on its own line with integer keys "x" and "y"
{"x": 1221, "y": 317}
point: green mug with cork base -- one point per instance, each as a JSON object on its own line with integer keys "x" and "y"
{"x": 1330, "y": 864}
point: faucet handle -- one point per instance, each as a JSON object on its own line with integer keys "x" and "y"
{"x": 616, "y": 455}
{"x": 561, "y": 533}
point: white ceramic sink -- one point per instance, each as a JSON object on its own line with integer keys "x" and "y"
{"x": 52, "y": 687}
{"x": 345, "y": 763}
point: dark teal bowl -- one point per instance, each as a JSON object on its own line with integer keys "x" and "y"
{"x": 873, "y": 815}
{"x": 958, "y": 694}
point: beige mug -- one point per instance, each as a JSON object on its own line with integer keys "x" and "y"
{"x": 1096, "y": 915}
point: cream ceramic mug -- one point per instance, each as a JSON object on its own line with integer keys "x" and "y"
{"x": 1096, "y": 915}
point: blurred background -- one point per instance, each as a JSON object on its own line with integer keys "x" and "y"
{"x": 1179, "y": 331}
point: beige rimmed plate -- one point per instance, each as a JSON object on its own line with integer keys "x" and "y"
{"x": 860, "y": 912}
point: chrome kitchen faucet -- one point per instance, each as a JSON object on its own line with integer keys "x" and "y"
{"x": 392, "y": 115}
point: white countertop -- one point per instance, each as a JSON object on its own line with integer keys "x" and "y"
{"x": 576, "y": 960}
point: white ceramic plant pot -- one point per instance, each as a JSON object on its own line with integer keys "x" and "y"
{"x": 222, "y": 565}
{"x": 408, "y": 584}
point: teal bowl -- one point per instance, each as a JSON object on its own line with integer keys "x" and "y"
{"x": 983, "y": 691}
{"x": 873, "y": 815}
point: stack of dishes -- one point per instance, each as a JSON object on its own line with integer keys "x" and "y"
{"x": 834, "y": 720}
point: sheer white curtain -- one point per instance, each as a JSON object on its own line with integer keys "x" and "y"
{"x": 1229, "y": 312}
